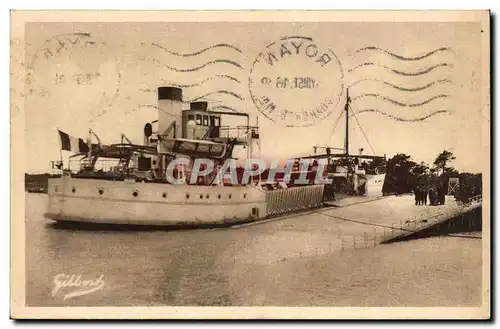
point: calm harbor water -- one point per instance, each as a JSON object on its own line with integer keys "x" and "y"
{"x": 298, "y": 261}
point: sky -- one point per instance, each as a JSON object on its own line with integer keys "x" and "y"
{"x": 415, "y": 86}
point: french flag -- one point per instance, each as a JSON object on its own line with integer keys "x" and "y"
{"x": 72, "y": 144}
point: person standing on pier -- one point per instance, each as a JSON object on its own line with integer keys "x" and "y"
{"x": 424, "y": 196}
{"x": 417, "y": 195}
{"x": 420, "y": 191}
{"x": 438, "y": 195}
{"x": 432, "y": 197}
{"x": 442, "y": 195}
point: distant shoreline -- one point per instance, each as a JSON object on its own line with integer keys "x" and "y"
{"x": 37, "y": 183}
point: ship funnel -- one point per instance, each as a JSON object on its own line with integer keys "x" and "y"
{"x": 169, "y": 112}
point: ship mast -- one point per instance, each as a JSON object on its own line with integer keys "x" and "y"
{"x": 346, "y": 108}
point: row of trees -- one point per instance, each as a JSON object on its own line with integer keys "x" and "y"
{"x": 403, "y": 174}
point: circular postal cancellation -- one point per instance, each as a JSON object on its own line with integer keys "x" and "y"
{"x": 74, "y": 64}
{"x": 296, "y": 81}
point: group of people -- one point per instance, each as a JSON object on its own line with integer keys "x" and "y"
{"x": 436, "y": 196}
{"x": 420, "y": 196}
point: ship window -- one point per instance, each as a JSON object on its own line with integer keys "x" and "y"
{"x": 255, "y": 211}
{"x": 229, "y": 196}
{"x": 164, "y": 195}
{"x": 101, "y": 191}
{"x": 205, "y": 120}
{"x": 207, "y": 196}
{"x": 244, "y": 195}
{"x": 191, "y": 117}
{"x": 219, "y": 196}
{"x": 73, "y": 190}
{"x": 135, "y": 193}
{"x": 187, "y": 195}
{"x": 198, "y": 119}
{"x": 201, "y": 196}
{"x": 216, "y": 122}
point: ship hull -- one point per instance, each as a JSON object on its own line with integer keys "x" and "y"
{"x": 132, "y": 203}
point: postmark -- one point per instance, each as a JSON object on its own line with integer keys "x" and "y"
{"x": 75, "y": 64}
{"x": 296, "y": 81}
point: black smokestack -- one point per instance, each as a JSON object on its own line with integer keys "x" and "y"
{"x": 171, "y": 93}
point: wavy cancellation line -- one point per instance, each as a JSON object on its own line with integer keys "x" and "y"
{"x": 171, "y": 52}
{"x": 192, "y": 69}
{"x": 153, "y": 106}
{"x": 197, "y": 98}
{"x": 224, "y": 108}
{"x": 138, "y": 106}
{"x": 226, "y": 92}
{"x": 400, "y": 103}
{"x": 420, "y": 88}
{"x": 424, "y": 71}
{"x": 403, "y": 119}
{"x": 220, "y": 76}
{"x": 416, "y": 58}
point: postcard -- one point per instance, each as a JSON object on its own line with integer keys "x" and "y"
{"x": 250, "y": 164}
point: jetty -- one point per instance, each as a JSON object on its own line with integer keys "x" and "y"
{"x": 457, "y": 218}
{"x": 360, "y": 223}
{"x": 382, "y": 220}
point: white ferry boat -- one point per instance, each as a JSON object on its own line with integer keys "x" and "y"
{"x": 135, "y": 190}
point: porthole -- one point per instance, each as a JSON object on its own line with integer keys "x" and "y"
{"x": 164, "y": 195}
{"x": 101, "y": 191}
{"x": 187, "y": 195}
{"x": 73, "y": 190}
{"x": 219, "y": 196}
{"x": 135, "y": 193}
{"x": 201, "y": 196}
{"x": 207, "y": 196}
{"x": 244, "y": 195}
{"x": 229, "y": 196}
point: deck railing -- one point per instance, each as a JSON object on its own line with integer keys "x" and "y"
{"x": 476, "y": 199}
{"x": 472, "y": 201}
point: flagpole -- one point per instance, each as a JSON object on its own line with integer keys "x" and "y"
{"x": 60, "y": 149}
{"x": 89, "y": 144}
